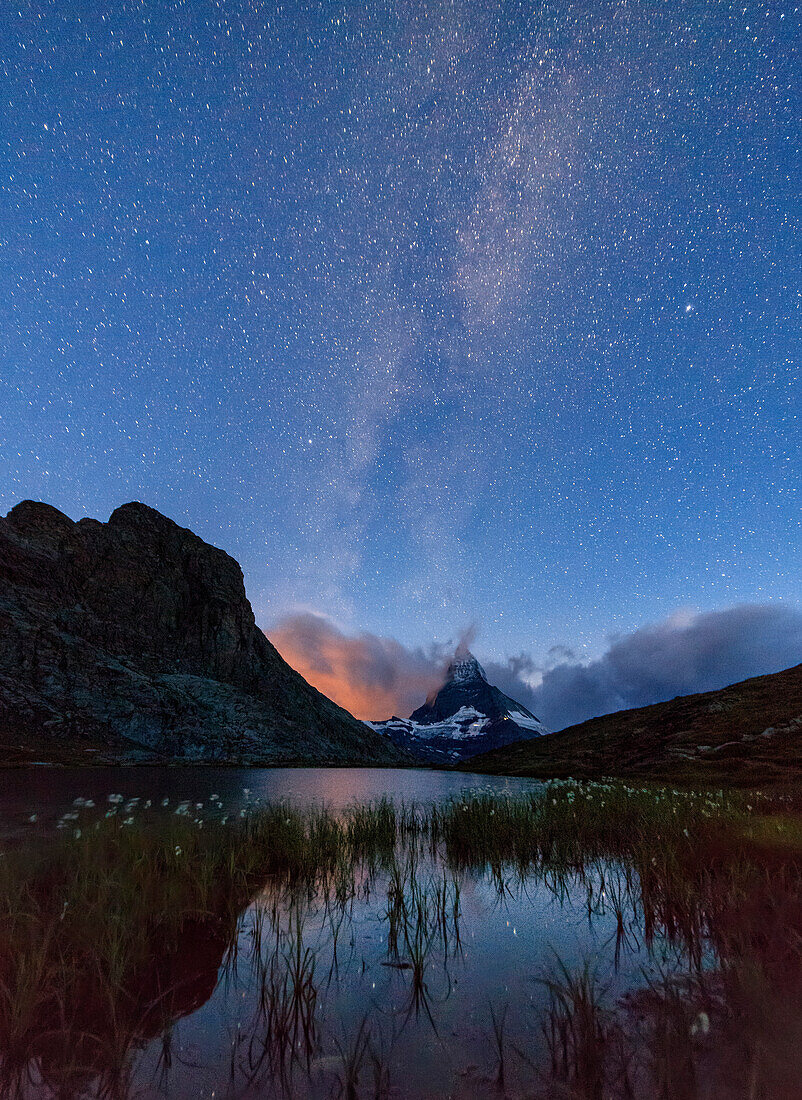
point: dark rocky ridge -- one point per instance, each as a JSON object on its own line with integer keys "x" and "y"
{"x": 134, "y": 639}
{"x": 747, "y": 733}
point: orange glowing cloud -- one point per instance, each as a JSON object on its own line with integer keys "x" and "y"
{"x": 371, "y": 677}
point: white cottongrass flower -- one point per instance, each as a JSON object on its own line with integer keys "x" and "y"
{"x": 33, "y": 817}
{"x": 165, "y": 802}
{"x": 115, "y": 798}
{"x": 178, "y": 849}
{"x": 701, "y": 1025}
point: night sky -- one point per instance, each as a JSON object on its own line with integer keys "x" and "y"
{"x": 430, "y": 314}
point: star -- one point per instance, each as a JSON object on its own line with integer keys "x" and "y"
{"x": 454, "y": 241}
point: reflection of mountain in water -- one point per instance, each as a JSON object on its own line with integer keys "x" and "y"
{"x": 350, "y": 955}
{"x": 87, "y": 1022}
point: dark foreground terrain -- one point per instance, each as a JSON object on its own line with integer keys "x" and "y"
{"x": 747, "y": 733}
{"x": 133, "y": 640}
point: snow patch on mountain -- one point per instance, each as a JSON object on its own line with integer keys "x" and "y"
{"x": 465, "y": 717}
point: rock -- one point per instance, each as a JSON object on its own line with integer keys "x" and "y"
{"x": 134, "y": 639}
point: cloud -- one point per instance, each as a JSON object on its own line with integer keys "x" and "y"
{"x": 514, "y": 677}
{"x": 686, "y": 653}
{"x": 372, "y": 677}
{"x": 375, "y": 677}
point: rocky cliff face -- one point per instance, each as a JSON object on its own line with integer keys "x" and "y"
{"x": 134, "y": 639}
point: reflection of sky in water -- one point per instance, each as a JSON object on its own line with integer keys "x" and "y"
{"x": 512, "y": 934}
{"x": 507, "y": 944}
{"x": 49, "y": 791}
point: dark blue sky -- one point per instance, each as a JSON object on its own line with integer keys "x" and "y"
{"x": 428, "y": 313}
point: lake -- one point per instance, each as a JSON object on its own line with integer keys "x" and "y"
{"x": 49, "y": 791}
{"x": 222, "y": 932}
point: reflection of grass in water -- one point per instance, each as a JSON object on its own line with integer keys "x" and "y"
{"x": 498, "y": 1021}
{"x": 423, "y": 912}
{"x": 106, "y": 938}
{"x": 283, "y": 1036}
{"x": 595, "y": 1052}
{"x": 576, "y": 1031}
{"x": 734, "y": 1031}
{"x": 353, "y": 1052}
{"x": 97, "y": 934}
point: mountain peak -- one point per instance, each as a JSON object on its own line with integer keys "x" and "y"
{"x": 465, "y": 716}
{"x": 464, "y": 667}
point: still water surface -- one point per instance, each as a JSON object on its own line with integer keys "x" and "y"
{"x": 50, "y": 790}
{"x": 419, "y": 977}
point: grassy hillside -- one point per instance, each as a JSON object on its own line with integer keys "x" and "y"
{"x": 750, "y": 732}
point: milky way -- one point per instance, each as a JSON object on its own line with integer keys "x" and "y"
{"x": 428, "y": 313}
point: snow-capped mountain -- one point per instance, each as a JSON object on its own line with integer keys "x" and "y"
{"x": 466, "y": 716}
